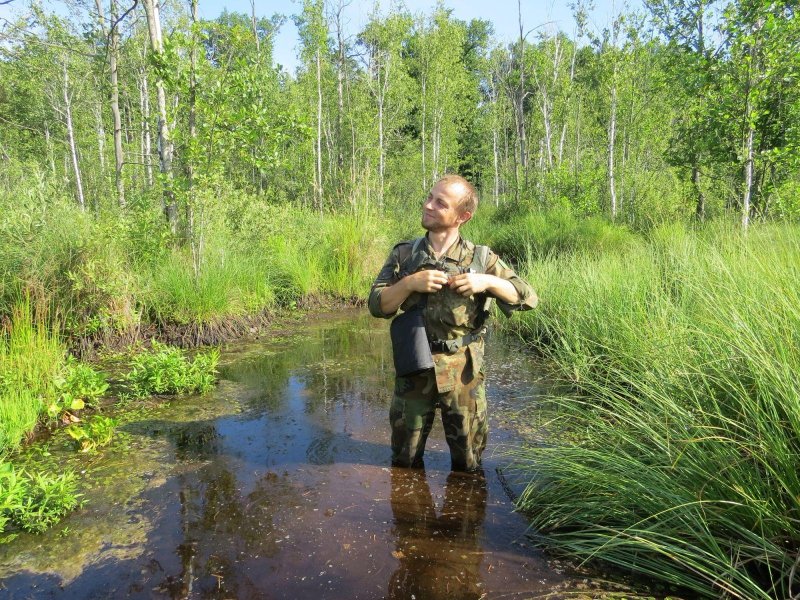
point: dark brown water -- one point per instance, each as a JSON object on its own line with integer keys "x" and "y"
{"x": 277, "y": 485}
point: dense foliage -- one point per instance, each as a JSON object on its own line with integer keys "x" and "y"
{"x": 691, "y": 108}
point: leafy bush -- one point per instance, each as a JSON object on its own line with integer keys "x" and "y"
{"x": 166, "y": 370}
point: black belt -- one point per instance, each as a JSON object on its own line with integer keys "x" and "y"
{"x": 452, "y": 346}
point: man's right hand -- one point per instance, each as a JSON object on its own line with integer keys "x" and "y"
{"x": 425, "y": 282}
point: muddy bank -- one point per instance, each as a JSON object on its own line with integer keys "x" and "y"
{"x": 194, "y": 335}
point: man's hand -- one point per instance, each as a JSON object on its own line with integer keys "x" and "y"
{"x": 426, "y": 282}
{"x": 468, "y": 284}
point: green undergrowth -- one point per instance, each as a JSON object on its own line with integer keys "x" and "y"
{"x": 41, "y": 386}
{"x": 676, "y": 457}
{"x": 31, "y": 361}
{"x": 519, "y": 234}
{"x": 109, "y": 273}
{"x": 167, "y": 370}
{"x": 34, "y": 502}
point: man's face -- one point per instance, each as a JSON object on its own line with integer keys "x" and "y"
{"x": 441, "y": 210}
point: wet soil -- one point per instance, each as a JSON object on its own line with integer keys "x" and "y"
{"x": 277, "y": 485}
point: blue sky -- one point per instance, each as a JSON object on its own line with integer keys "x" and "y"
{"x": 553, "y": 14}
{"x": 503, "y": 14}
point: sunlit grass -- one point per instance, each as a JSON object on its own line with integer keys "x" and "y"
{"x": 677, "y": 455}
{"x": 30, "y": 358}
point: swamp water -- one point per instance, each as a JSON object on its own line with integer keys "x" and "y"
{"x": 277, "y": 484}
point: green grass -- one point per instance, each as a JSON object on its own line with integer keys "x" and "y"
{"x": 520, "y": 235}
{"x": 31, "y": 357}
{"x": 677, "y": 455}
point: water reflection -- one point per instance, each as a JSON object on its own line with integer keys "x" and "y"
{"x": 277, "y": 484}
{"x": 440, "y": 555}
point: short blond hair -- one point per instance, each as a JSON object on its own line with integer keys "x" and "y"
{"x": 469, "y": 201}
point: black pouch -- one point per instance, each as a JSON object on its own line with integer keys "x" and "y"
{"x": 410, "y": 348}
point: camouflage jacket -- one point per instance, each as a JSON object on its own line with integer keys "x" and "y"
{"x": 448, "y": 315}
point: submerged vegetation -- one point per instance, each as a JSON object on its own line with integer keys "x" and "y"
{"x": 676, "y": 455}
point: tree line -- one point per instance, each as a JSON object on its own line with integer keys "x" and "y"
{"x": 691, "y": 108}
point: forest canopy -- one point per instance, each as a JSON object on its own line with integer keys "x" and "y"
{"x": 687, "y": 109}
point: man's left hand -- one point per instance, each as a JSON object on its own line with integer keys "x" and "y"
{"x": 468, "y": 284}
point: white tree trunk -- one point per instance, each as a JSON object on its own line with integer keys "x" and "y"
{"x": 748, "y": 170}
{"x": 51, "y": 156}
{"x": 165, "y": 147}
{"x": 101, "y": 140}
{"x": 147, "y": 143}
{"x": 496, "y": 169}
{"x": 73, "y": 148}
{"x": 424, "y": 133}
{"x": 612, "y": 131}
{"x": 319, "y": 134}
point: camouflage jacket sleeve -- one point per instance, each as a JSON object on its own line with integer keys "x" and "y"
{"x": 527, "y": 297}
{"x": 389, "y": 274}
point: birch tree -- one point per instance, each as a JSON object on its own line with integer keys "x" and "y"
{"x": 165, "y": 144}
{"x": 110, "y": 33}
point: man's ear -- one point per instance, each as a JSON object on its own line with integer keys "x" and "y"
{"x": 464, "y": 217}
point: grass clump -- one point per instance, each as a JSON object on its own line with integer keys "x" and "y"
{"x": 31, "y": 358}
{"x": 167, "y": 370}
{"x": 677, "y": 456}
{"x": 520, "y": 235}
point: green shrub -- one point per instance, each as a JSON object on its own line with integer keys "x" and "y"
{"x": 166, "y": 370}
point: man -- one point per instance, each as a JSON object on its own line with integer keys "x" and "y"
{"x": 438, "y": 274}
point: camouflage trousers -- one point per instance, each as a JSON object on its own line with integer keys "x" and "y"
{"x": 463, "y": 410}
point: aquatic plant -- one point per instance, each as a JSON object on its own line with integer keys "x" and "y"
{"x": 46, "y": 500}
{"x": 167, "y": 370}
{"x": 676, "y": 457}
{"x": 95, "y": 432}
{"x": 78, "y": 386}
{"x": 35, "y": 502}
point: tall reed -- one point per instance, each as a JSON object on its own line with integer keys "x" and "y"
{"x": 676, "y": 457}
